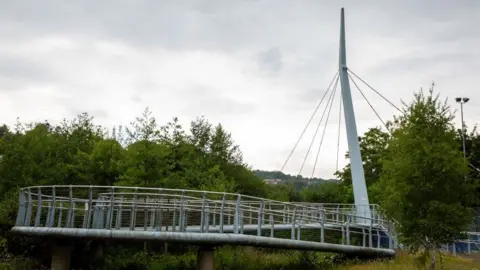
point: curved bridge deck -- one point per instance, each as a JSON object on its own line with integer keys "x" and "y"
{"x": 199, "y": 217}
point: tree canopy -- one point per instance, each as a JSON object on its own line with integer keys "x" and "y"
{"x": 423, "y": 184}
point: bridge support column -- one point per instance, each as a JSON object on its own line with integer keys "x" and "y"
{"x": 61, "y": 256}
{"x": 205, "y": 258}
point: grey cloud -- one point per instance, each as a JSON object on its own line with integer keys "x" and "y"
{"x": 270, "y": 60}
{"x": 17, "y": 72}
{"x": 426, "y": 21}
{"x": 310, "y": 96}
{"x": 418, "y": 63}
{"x": 73, "y": 110}
{"x": 221, "y": 25}
{"x": 210, "y": 101}
{"x": 99, "y": 113}
{"x": 222, "y": 106}
{"x": 136, "y": 98}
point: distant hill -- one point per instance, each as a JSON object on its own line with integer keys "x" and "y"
{"x": 299, "y": 181}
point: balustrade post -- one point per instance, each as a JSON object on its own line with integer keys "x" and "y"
{"x": 259, "y": 220}
{"x": 60, "y": 211}
{"x": 272, "y": 228}
{"x": 70, "y": 207}
{"x": 88, "y": 217}
{"x": 133, "y": 216}
{"x": 236, "y": 220}
{"x": 322, "y": 226}
{"x": 207, "y": 218}
{"x": 39, "y": 208}
{"x": 214, "y": 216}
{"x": 298, "y": 231}
{"x": 390, "y": 237}
{"x": 160, "y": 211}
{"x": 202, "y": 217}
{"x": 28, "y": 216}
{"x": 292, "y": 234}
{"x": 348, "y": 229}
{"x": 174, "y": 219}
{"x": 53, "y": 208}
{"x": 364, "y": 240}
{"x": 110, "y": 210}
{"x": 21, "y": 209}
{"x": 378, "y": 238}
{"x": 222, "y": 209}
{"x": 370, "y": 240}
{"x": 145, "y": 213}
{"x": 241, "y": 220}
{"x": 182, "y": 212}
{"x": 118, "y": 222}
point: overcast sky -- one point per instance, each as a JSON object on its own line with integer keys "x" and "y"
{"x": 257, "y": 67}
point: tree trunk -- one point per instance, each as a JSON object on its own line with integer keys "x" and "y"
{"x": 433, "y": 255}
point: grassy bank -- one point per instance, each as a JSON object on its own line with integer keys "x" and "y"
{"x": 237, "y": 258}
{"x": 406, "y": 261}
{"x": 228, "y": 258}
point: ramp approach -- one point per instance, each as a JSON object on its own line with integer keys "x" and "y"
{"x": 199, "y": 217}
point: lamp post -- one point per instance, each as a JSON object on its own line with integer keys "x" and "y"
{"x": 462, "y": 100}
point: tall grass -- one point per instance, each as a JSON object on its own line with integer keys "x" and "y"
{"x": 227, "y": 258}
{"x": 404, "y": 261}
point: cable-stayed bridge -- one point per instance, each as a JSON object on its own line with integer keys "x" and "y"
{"x": 210, "y": 219}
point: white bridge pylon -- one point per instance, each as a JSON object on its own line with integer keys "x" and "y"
{"x": 358, "y": 175}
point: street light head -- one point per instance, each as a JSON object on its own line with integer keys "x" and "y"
{"x": 465, "y": 99}
{"x": 458, "y": 99}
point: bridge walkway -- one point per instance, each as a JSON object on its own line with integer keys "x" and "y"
{"x": 199, "y": 217}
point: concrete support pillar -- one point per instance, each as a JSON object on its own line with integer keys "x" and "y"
{"x": 205, "y": 258}
{"x": 61, "y": 256}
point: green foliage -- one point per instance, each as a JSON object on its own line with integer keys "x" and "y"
{"x": 373, "y": 145}
{"x": 327, "y": 192}
{"x": 423, "y": 176}
{"x": 283, "y": 176}
{"x": 107, "y": 157}
{"x": 283, "y": 192}
{"x": 147, "y": 154}
{"x": 299, "y": 182}
{"x": 226, "y": 258}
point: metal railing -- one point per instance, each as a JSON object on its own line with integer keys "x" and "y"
{"x": 195, "y": 211}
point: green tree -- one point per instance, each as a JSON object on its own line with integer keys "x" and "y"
{"x": 328, "y": 192}
{"x": 146, "y": 161}
{"x": 106, "y": 159}
{"x": 373, "y": 145}
{"x": 423, "y": 178}
{"x": 283, "y": 192}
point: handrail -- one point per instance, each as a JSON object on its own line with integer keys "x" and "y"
{"x": 122, "y": 208}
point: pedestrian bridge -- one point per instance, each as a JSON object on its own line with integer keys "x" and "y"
{"x": 199, "y": 217}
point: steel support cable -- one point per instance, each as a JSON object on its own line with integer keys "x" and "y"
{"x": 369, "y": 104}
{"x": 393, "y": 105}
{"x": 339, "y": 125}
{"x": 319, "y": 123}
{"x": 473, "y": 167}
{"x": 378, "y": 93}
{"x": 309, "y": 121}
{"x": 324, "y": 129}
